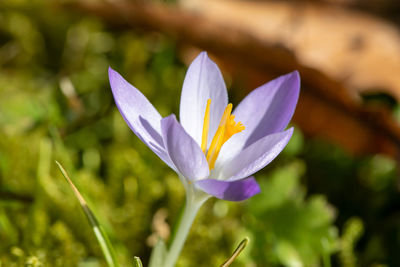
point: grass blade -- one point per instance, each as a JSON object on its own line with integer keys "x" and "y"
{"x": 236, "y": 253}
{"x": 137, "y": 262}
{"x": 101, "y": 236}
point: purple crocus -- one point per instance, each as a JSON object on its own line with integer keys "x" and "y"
{"x": 214, "y": 150}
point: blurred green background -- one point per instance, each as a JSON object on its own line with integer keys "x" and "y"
{"x": 319, "y": 206}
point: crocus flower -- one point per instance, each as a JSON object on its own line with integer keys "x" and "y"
{"x": 214, "y": 150}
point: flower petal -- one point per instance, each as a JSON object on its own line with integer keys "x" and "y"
{"x": 203, "y": 81}
{"x": 184, "y": 152}
{"x": 269, "y": 108}
{"x": 266, "y": 110}
{"x": 256, "y": 156}
{"x": 230, "y": 190}
{"x": 139, "y": 114}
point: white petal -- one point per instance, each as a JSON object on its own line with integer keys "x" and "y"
{"x": 255, "y": 157}
{"x": 203, "y": 81}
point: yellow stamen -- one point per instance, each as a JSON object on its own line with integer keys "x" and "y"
{"x": 218, "y": 138}
{"x": 226, "y": 129}
{"x": 206, "y": 127}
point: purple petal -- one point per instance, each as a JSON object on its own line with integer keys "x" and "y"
{"x": 139, "y": 114}
{"x": 230, "y": 190}
{"x": 269, "y": 108}
{"x": 203, "y": 81}
{"x": 256, "y": 156}
{"x": 266, "y": 110}
{"x": 184, "y": 152}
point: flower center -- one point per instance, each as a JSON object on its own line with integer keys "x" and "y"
{"x": 226, "y": 129}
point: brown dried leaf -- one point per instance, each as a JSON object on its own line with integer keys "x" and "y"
{"x": 357, "y": 49}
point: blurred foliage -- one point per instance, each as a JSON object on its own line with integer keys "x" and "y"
{"x": 56, "y": 104}
{"x": 289, "y": 229}
{"x": 352, "y": 232}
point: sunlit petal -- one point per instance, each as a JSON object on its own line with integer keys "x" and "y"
{"x": 256, "y": 156}
{"x": 203, "y": 81}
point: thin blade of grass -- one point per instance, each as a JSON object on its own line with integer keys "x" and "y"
{"x": 101, "y": 236}
{"x": 236, "y": 253}
{"x": 137, "y": 262}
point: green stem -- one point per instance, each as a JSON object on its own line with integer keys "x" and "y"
{"x": 191, "y": 208}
